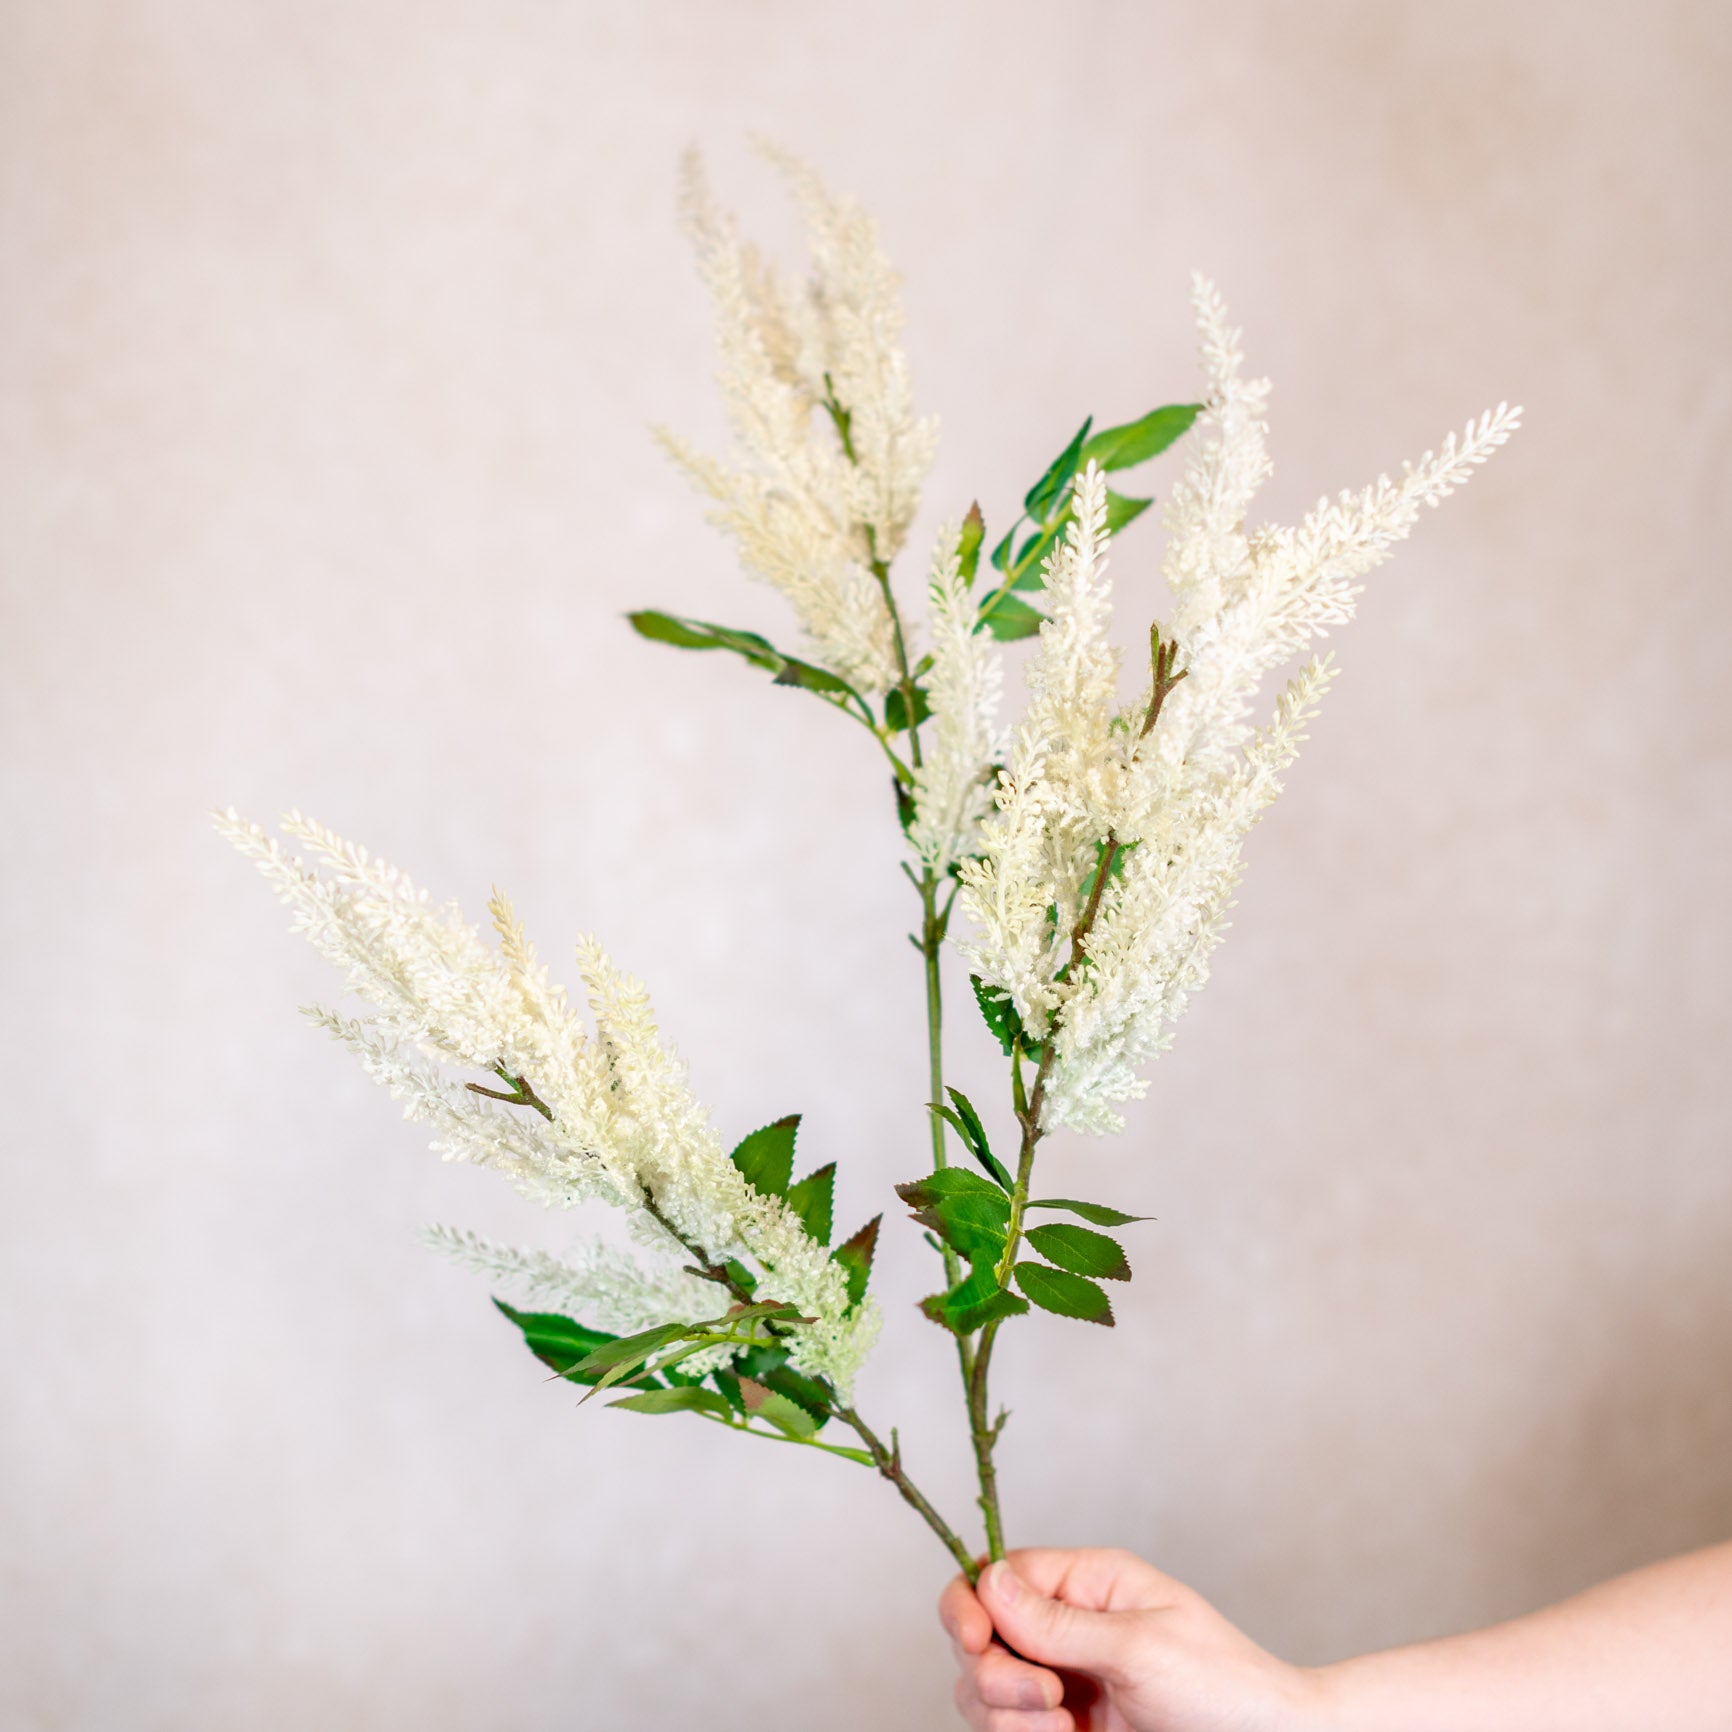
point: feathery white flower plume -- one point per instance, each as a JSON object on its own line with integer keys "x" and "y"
{"x": 605, "y": 1116}
{"x": 1166, "y": 806}
{"x": 953, "y": 786}
{"x": 818, "y": 396}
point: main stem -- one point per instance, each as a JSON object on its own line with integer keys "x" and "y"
{"x": 1166, "y": 674}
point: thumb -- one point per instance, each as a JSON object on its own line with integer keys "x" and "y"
{"x": 1046, "y": 1630}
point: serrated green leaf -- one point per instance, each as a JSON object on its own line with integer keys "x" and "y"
{"x": 954, "y": 1182}
{"x": 1123, "y": 509}
{"x": 1081, "y": 1250}
{"x": 1135, "y": 442}
{"x": 813, "y": 1200}
{"x": 787, "y": 1416}
{"x": 688, "y": 1398}
{"x": 1099, "y": 1213}
{"x": 1011, "y": 618}
{"x": 1068, "y": 1295}
{"x": 972, "y": 1226}
{"x": 968, "y": 545}
{"x": 1000, "y": 1012}
{"x": 1047, "y": 491}
{"x": 766, "y": 1157}
{"x": 896, "y": 710}
{"x": 769, "y": 1366}
{"x": 972, "y": 1303}
{"x": 631, "y": 1349}
{"x": 855, "y": 1256}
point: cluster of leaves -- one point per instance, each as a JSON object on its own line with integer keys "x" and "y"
{"x": 977, "y": 1217}
{"x": 1018, "y": 558}
{"x": 756, "y": 1391}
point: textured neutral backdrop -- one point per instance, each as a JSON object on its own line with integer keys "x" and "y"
{"x": 331, "y": 336}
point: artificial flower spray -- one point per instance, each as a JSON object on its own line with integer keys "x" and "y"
{"x": 1080, "y": 857}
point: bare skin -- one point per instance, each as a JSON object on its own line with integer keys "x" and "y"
{"x": 1113, "y": 1645}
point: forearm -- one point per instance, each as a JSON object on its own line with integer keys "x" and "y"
{"x": 1649, "y": 1649}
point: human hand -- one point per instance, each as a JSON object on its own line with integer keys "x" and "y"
{"x": 1110, "y": 1645}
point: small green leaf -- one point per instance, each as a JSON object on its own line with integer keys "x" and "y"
{"x": 556, "y": 1341}
{"x": 906, "y": 810}
{"x": 769, "y": 1366}
{"x": 688, "y": 1398}
{"x": 974, "y": 1134}
{"x": 787, "y": 1416}
{"x": 741, "y": 1275}
{"x": 813, "y": 1201}
{"x": 810, "y": 678}
{"x": 631, "y": 1349}
{"x": 896, "y": 711}
{"x": 954, "y": 1182}
{"x": 1123, "y": 509}
{"x": 1099, "y": 1213}
{"x": 999, "y": 1009}
{"x": 968, "y": 545}
{"x": 1009, "y": 618}
{"x": 1001, "y": 553}
{"x": 1047, "y": 491}
{"x": 701, "y": 635}
{"x": 971, "y": 1226}
{"x": 766, "y": 1157}
{"x": 1081, "y": 1250}
{"x": 1066, "y": 1294}
{"x": 972, "y": 1303}
{"x": 855, "y": 1256}
{"x": 1136, "y": 442}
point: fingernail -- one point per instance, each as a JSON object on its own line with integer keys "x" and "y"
{"x": 1031, "y": 1694}
{"x": 1006, "y": 1584}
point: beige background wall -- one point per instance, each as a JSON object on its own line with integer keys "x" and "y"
{"x": 331, "y": 333}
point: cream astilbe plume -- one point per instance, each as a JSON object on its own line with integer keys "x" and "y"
{"x": 620, "y": 1123}
{"x": 607, "y": 1287}
{"x": 811, "y": 507}
{"x": 953, "y": 786}
{"x": 1174, "y": 801}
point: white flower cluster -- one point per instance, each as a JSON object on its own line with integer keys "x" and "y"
{"x": 621, "y": 1125}
{"x": 1175, "y": 800}
{"x": 953, "y": 786}
{"x": 809, "y": 511}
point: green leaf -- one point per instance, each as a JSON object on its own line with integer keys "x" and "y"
{"x": 1008, "y": 618}
{"x": 1001, "y": 553}
{"x": 1025, "y": 571}
{"x": 896, "y": 711}
{"x": 701, "y": 634}
{"x": 1081, "y": 1250}
{"x": 1136, "y": 442}
{"x": 968, "y": 545}
{"x": 972, "y": 1303}
{"x": 630, "y": 1349}
{"x": 954, "y": 1182}
{"x": 906, "y": 810}
{"x": 813, "y": 1201}
{"x": 855, "y": 1256}
{"x": 972, "y": 1226}
{"x": 768, "y": 1366}
{"x": 974, "y": 1135}
{"x": 741, "y": 1275}
{"x": 766, "y": 1157}
{"x": 1000, "y": 1011}
{"x": 688, "y": 1398}
{"x": 1123, "y": 509}
{"x": 1069, "y": 1295}
{"x": 1046, "y": 492}
{"x": 811, "y": 679}
{"x": 1099, "y": 1213}
{"x": 557, "y": 1341}
{"x": 787, "y": 1416}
